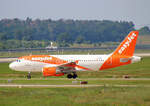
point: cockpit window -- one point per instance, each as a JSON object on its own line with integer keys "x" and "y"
{"x": 18, "y": 60}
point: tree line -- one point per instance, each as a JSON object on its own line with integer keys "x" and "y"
{"x": 62, "y": 31}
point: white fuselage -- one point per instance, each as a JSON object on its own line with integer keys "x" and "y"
{"x": 86, "y": 62}
{"x": 92, "y": 62}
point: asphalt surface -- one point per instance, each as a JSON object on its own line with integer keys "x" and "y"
{"x": 7, "y": 59}
{"x": 142, "y": 54}
{"x": 66, "y": 86}
{"x": 71, "y": 85}
{"x": 46, "y": 86}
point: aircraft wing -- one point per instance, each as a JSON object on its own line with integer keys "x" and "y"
{"x": 68, "y": 67}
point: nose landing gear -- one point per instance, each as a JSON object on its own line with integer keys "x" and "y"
{"x": 29, "y": 76}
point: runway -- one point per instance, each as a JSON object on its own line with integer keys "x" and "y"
{"x": 142, "y": 54}
{"x": 72, "y": 85}
{"x": 47, "y": 86}
{"x": 66, "y": 86}
{"x": 7, "y": 59}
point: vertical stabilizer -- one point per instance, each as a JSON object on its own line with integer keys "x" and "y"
{"x": 124, "y": 52}
{"x": 127, "y": 46}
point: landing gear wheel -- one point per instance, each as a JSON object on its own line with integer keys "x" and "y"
{"x": 69, "y": 76}
{"x": 74, "y": 76}
{"x": 29, "y": 76}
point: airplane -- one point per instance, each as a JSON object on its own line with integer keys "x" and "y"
{"x": 59, "y": 65}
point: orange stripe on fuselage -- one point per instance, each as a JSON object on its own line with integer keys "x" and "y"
{"x": 44, "y": 58}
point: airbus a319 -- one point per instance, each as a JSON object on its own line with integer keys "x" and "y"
{"x": 59, "y": 65}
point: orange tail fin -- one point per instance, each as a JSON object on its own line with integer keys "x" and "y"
{"x": 127, "y": 47}
{"x": 122, "y": 55}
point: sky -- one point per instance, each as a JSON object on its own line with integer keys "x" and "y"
{"x": 136, "y": 11}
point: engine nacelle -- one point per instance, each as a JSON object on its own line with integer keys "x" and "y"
{"x": 51, "y": 71}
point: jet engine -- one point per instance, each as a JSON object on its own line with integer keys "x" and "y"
{"x": 52, "y": 71}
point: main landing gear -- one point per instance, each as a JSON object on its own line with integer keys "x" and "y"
{"x": 29, "y": 76}
{"x": 74, "y": 76}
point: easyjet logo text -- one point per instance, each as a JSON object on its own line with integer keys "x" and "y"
{"x": 42, "y": 58}
{"x": 127, "y": 43}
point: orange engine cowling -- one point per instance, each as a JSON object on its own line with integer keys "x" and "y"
{"x": 51, "y": 71}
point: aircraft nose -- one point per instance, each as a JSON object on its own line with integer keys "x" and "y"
{"x": 12, "y": 66}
